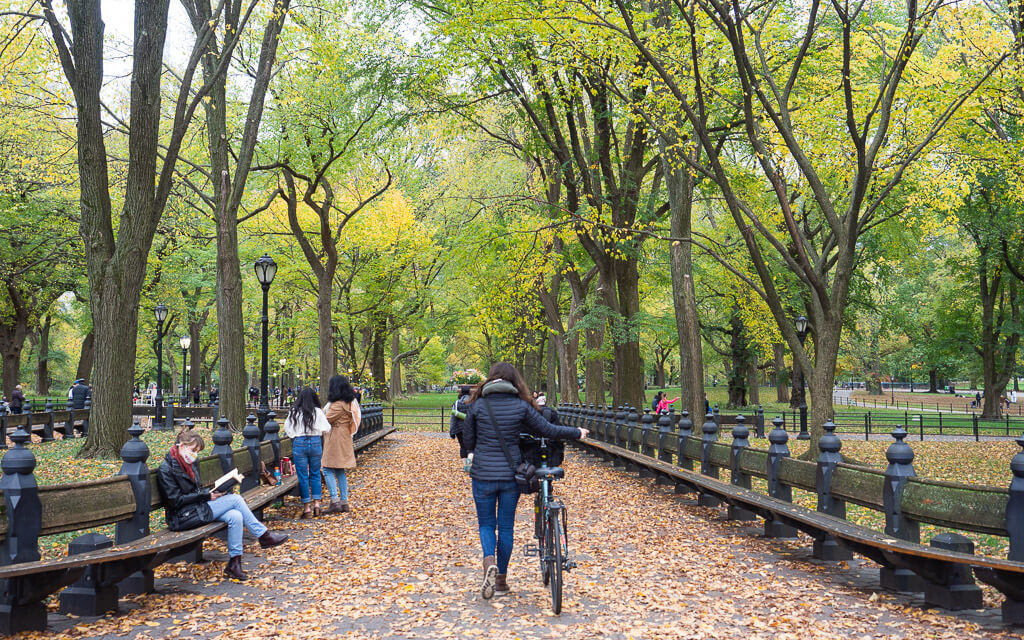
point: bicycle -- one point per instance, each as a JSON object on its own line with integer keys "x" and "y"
{"x": 550, "y": 528}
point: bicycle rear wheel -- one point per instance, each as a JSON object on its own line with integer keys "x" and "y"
{"x": 553, "y": 549}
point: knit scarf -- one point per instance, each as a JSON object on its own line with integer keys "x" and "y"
{"x": 184, "y": 465}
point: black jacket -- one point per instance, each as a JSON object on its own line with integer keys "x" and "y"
{"x": 78, "y": 395}
{"x": 514, "y": 415}
{"x": 186, "y": 502}
{"x": 17, "y": 399}
{"x": 456, "y": 424}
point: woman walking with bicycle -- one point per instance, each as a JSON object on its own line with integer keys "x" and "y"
{"x": 500, "y": 408}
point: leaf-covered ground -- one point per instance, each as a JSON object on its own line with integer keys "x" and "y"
{"x": 405, "y": 564}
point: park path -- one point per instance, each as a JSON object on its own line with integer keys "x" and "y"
{"x": 405, "y": 564}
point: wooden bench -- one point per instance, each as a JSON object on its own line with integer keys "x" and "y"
{"x": 942, "y": 570}
{"x": 107, "y": 570}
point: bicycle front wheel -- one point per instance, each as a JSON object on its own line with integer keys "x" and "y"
{"x": 554, "y": 548}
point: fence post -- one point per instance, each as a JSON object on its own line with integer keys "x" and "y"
{"x": 897, "y": 474}
{"x": 48, "y": 425}
{"x": 169, "y": 417}
{"x": 777, "y": 450}
{"x": 685, "y": 432}
{"x": 827, "y": 547}
{"x": 251, "y": 441}
{"x": 222, "y": 438}
{"x": 718, "y": 416}
{"x": 740, "y": 441}
{"x": 21, "y": 544}
{"x": 867, "y": 427}
{"x": 1015, "y": 506}
{"x": 920, "y": 426}
{"x": 664, "y": 434}
{"x": 615, "y": 433}
{"x": 632, "y": 426}
{"x": 3, "y": 430}
{"x": 710, "y": 436}
{"x": 646, "y": 427}
{"x": 759, "y": 422}
{"x": 974, "y": 420}
{"x": 134, "y": 454}
{"x": 270, "y": 434}
{"x": 69, "y": 424}
{"x": 85, "y": 420}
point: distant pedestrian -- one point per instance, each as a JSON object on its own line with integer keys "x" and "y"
{"x": 79, "y": 394}
{"x": 664, "y": 403}
{"x": 17, "y": 400}
{"x": 305, "y": 423}
{"x": 195, "y": 395}
{"x": 458, "y": 423}
{"x": 977, "y": 398}
{"x": 214, "y": 395}
{"x": 344, "y": 415}
{"x": 656, "y": 401}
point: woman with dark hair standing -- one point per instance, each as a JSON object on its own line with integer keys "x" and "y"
{"x": 505, "y": 396}
{"x": 305, "y": 424}
{"x": 344, "y": 416}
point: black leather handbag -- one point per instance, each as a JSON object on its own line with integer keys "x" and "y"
{"x": 525, "y": 473}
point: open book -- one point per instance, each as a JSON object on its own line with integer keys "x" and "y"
{"x": 227, "y": 482}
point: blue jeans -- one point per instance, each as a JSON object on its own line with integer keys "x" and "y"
{"x": 307, "y": 451}
{"x": 337, "y": 483}
{"x": 232, "y": 510}
{"x": 501, "y": 497}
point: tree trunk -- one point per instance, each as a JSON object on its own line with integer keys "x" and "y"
{"x": 552, "y": 371}
{"x": 659, "y": 374}
{"x": 593, "y": 374}
{"x": 12, "y": 340}
{"x": 796, "y": 394}
{"x": 85, "y": 356}
{"x": 684, "y": 299}
{"x": 325, "y": 323}
{"x": 43, "y": 359}
{"x": 753, "y": 384}
{"x": 228, "y": 195}
{"x": 395, "y": 382}
{"x": 736, "y": 374}
{"x": 629, "y": 367}
{"x": 377, "y": 365}
{"x": 933, "y": 381}
{"x": 781, "y": 381}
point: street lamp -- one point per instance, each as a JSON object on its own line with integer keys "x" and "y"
{"x": 185, "y": 341}
{"x": 801, "y": 333}
{"x": 265, "y": 269}
{"x": 161, "y": 314}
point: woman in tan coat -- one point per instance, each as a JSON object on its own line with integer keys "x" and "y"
{"x": 344, "y": 414}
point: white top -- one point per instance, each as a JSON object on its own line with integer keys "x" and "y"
{"x": 320, "y": 426}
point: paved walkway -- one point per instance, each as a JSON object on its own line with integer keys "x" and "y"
{"x": 405, "y": 564}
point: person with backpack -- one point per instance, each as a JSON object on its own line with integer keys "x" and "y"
{"x": 458, "y": 423}
{"x": 499, "y": 409}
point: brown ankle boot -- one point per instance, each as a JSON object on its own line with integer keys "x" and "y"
{"x": 490, "y": 575}
{"x": 271, "y": 539}
{"x": 501, "y": 584}
{"x": 334, "y": 507}
{"x": 344, "y": 506}
{"x": 233, "y": 569}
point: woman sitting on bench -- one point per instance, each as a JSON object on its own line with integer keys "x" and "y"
{"x": 187, "y": 504}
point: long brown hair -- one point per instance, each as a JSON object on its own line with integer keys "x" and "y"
{"x": 508, "y": 373}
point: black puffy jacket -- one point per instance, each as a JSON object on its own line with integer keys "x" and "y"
{"x": 186, "y": 502}
{"x": 514, "y": 415}
{"x": 79, "y": 394}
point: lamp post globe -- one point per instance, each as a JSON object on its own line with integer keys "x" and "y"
{"x": 801, "y": 334}
{"x": 265, "y": 269}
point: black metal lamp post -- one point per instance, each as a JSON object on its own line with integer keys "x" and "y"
{"x": 185, "y": 341}
{"x": 801, "y": 333}
{"x": 161, "y": 314}
{"x": 266, "y": 269}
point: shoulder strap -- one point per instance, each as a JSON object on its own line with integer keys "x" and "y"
{"x": 497, "y": 432}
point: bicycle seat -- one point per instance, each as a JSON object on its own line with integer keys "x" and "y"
{"x": 555, "y": 473}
